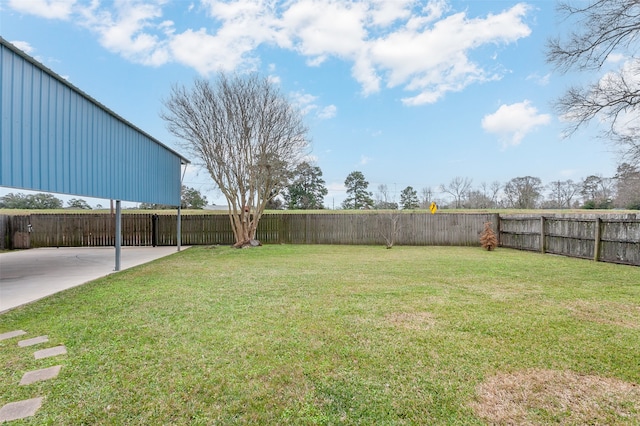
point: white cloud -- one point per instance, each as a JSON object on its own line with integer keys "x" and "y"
{"x": 626, "y": 78}
{"x": 538, "y": 79}
{"x": 23, "y": 45}
{"x": 306, "y": 103}
{"x": 327, "y": 112}
{"x": 423, "y": 48}
{"x": 384, "y": 12}
{"x": 513, "y": 122}
{"x": 336, "y": 188}
{"x": 616, "y": 57}
{"x": 131, "y": 29}
{"x": 50, "y": 9}
{"x": 568, "y": 173}
{"x": 275, "y": 79}
{"x": 364, "y": 160}
{"x": 434, "y": 60}
{"x": 207, "y": 53}
{"x": 321, "y": 28}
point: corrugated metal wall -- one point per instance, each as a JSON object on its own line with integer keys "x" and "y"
{"x": 55, "y": 138}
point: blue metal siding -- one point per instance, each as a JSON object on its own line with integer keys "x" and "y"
{"x": 55, "y": 138}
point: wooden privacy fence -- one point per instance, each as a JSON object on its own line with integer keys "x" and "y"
{"x": 82, "y": 230}
{"x": 374, "y": 228}
{"x": 76, "y": 230}
{"x": 612, "y": 238}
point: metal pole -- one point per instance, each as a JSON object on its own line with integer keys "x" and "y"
{"x": 179, "y": 228}
{"x": 179, "y": 225}
{"x": 118, "y": 234}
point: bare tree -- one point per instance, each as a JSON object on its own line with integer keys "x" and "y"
{"x": 523, "y": 192}
{"x": 602, "y": 28}
{"x": 246, "y": 134}
{"x": 563, "y": 193}
{"x": 388, "y": 225}
{"x": 383, "y": 201}
{"x": 494, "y": 190}
{"x": 478, "y": 199}
{"x": 485, "y": 197}
{"x": 458, "y": 187}
{"x": 426, "y": 194}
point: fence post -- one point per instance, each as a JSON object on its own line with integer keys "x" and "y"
{"x": 597, "y": 240}
{"x": 154, "y": 230}
{"x": 542, "y": 235}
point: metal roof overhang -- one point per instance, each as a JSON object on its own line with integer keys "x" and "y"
{"x": 56, "y": 138}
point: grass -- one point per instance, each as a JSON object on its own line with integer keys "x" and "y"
{"x": 331, "y": 335}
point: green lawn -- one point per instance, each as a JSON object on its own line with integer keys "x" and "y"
{"x": 335, "y": 335}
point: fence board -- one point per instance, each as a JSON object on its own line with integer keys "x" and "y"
{"x": 4, "y": 231}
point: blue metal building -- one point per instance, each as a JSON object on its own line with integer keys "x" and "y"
{"x": 56, "y": 138}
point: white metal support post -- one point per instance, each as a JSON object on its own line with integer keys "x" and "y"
{"x": 179, "y": 224}
{"x": 179, "y": 228}
{"x": 118, "y": 234}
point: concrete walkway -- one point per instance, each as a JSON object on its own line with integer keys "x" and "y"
{"x": 29, "y": 275}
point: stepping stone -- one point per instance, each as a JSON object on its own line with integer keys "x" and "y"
{"x": 20, "y": 409}
{"x": 34, "y": 341}
{"x": 11, "y": 334}
{"x": 40, "y": 375}
{"x": 46, "y": 353}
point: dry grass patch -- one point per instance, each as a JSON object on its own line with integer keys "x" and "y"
{"x": 609, "y": 313}
{"x": 536, "y": 397}
{"x": 411, "y": 320}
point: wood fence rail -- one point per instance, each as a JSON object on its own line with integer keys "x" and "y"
{"x": 610, "y": 238}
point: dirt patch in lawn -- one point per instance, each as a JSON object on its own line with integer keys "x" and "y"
{"x": 537, "y": 397}
{"x": 611, "y": 313}
{"x": 411, "y": 320}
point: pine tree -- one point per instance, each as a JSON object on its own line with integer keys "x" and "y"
{"x": 488, "y": 238}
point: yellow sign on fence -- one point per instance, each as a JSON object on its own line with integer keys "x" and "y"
{"x": 433, "y": 208}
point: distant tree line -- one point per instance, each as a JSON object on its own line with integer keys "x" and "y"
{"x": 190, "y": 198}
{"x": 525, "y": 192}
{"x": 306, "y": 191}
{"x": 30, "y": 201}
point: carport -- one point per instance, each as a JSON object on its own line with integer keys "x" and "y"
{"x": 29, "y": 275}
{"x": 56, "y": 138}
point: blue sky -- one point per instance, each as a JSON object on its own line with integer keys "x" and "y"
{"x": 410, "y": 93}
